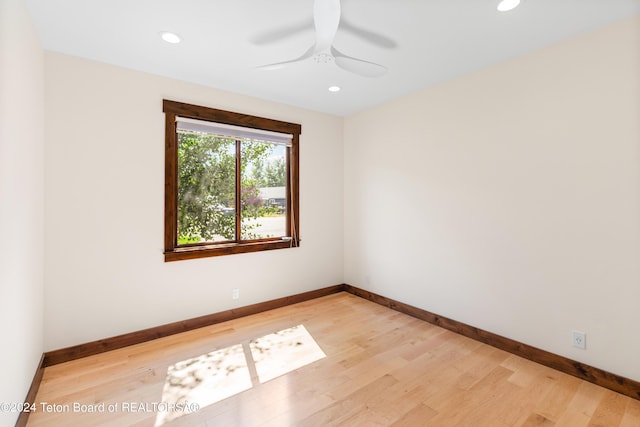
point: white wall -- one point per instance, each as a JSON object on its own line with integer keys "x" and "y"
{"x": 105, "y": 271}
{"x": 21, "y": 203}
{"x": 509, "y": 198}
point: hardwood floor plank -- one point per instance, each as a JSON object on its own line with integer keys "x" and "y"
{"x": 537, "y": 420}
{"x": 555, "y": 402}
{"x": 378, "y": 367}
{"x": 466, "y": 407}
{"x": 632, "y": 414}
{"x": 610, "y": 411}
{"x": 419, "y": 416}
{"x": 369, "y": 397}
{"x": 582, "y": 406}
{"x": 399, "y": 402}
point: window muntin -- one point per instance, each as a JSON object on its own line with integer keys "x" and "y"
{"x": 231, "y": 182}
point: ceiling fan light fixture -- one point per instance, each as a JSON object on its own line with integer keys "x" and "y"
{"x": 507, "y": 5}
{"x": 170, "y": 37}
{"x": 326, "y": 20}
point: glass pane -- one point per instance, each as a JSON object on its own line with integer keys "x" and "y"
{"x": 264, "y": 190}
{"x": 206, "y": 188}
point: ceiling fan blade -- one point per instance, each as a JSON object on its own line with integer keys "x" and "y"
{"x": 274, "y": 36}
{"x": 369, "y": 36}
{"x": 357, "y": 66}
{"x": 276, "y": 66}
{"x": 326, "y": 18}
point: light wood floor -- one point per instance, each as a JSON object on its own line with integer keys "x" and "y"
{"x": 379, "y": 368}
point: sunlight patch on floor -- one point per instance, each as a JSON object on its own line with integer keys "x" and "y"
{"x": 212, "y": 377}
{"x": 284, "y": 351}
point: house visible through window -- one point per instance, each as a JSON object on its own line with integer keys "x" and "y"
{"x": 231, "y": 182}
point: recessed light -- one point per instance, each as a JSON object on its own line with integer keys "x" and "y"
{"x": 334, "y": 88}
{"x": 170, "y": 37}
{"x": 506, "y": 5}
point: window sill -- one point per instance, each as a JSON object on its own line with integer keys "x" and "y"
{"x": 194, "y": 252}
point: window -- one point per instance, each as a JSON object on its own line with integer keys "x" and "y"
{"x": 231, "y": 183}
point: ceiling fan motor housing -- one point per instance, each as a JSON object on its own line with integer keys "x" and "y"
{"x": 323, "y": 58}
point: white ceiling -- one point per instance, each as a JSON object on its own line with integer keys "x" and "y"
{"x": 435, "y": 40}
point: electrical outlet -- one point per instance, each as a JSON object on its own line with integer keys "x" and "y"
{"x": 579, "y": 339}
{"x": 235, "y": 293}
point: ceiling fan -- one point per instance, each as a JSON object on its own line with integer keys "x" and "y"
{"x": 326, "y": 18}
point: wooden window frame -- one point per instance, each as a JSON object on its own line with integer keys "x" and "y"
{"x": 174, "y": 252}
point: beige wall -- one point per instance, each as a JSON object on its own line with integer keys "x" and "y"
{"x": 21, "y": 203}
{"x": 509, "y": 198}
{"x": 105, "y": 273}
